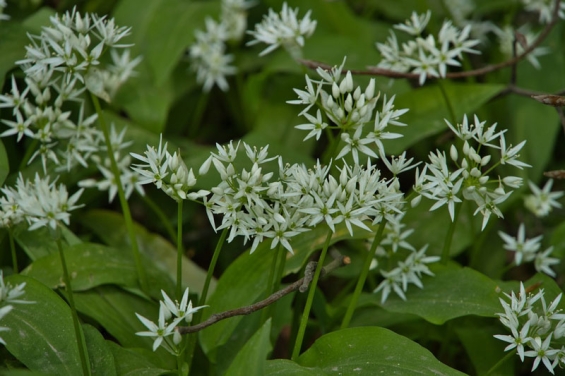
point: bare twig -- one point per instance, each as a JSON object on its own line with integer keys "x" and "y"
{"x": 373, "y": 71}
{"x": 305, "y": 281}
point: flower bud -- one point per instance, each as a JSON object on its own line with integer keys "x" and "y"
{"x": 370, "y": 90}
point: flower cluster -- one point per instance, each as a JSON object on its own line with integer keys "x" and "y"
{"x": 208, "y": 54}
{"x": 283, "y": 29}
{"x": 542, "y": 200}
{"x": 470, "y": 179}
{"x": 40, "y": 202}
{"x": 427, "y": 56}
{"x": 255, "y": 207}
{"x": 350, "y": 109}
{"x": 10, "y": 295}
{"x": 164, "y": 329}
{"x": 526, "y": 250}
{"x": 534, "y": 325}
{"x": 409, "y": 270}
{"x": 61, "y": 64}
{"x": 71, "y": 49}
{"x": 168, "y": 172}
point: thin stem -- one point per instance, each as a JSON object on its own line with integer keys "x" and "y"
{"x": 449, "y": 237}
{"x": 123, "y": 201}
{"x": 447, "y": 102}
{"x": 310, "y": 299}
{"x": 13, "y": 249}
{"x": 163, "y": 219}
{"x": 275, "y": 284}
{"x": 28, "y": 154}
{"x": 363, "y": 276}
{"x": 76, "y": 324}
{"x": 202, "y": 301}
{"x": 180, "y": 250}
{"x": 210, "y": 273}
{"x": 500, "y": 362}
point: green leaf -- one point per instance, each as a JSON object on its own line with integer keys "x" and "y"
{"x": 115, "y": 310}
{"x": 428, "y": 110}
{"x": 133, "y": 363}
{"x": 284, "y": 367}
{"x": 41, "y": 334}
{"x": 452, "y": 292}
{"x": 477, "y": 337}
{"x": 92, "y": 265}
{"x": 253, "y": 353}
{"x": 101, "y": 359}
{"x": 41, "y": 243}
{"x": 109, "y": 226}
{"x": 13, "y": 40}
{"x": 371, "y": 351}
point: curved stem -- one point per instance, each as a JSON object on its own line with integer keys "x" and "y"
{"x": 310, "y": 299}
{"x": 123, "y": 201}
{"x": 13, "y": 249}
{"x": 198, "y": 112}
{"x": 363, "y": 276}
{"x": 76, "y": 324}
{"x": 449, "y": 237}
{"x": 180, "y": 250}
{"x": 162, "y": 217}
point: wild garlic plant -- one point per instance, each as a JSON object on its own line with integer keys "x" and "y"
{"x": 283, "y": 29}
{"x": 208, "y": 54}
{"x": 470, "y": 179}
{"x": 528, "y": 250}
{"x": 427, "y": 56}
{"x": 537, "y": 328}
{"x": 542, "y": 201}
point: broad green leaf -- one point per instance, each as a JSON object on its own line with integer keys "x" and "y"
{"x": 132, "y": 363}
{"x": 109, "y": 226}
{"x": 92, "y": 265}
{"x": 371, "y": 351}
{"x": 477, "y": 337}
{"x": 41, "y": 334}
{"x": 115, "y": 310}
{"x": 253, "y": 353}
{"x": 428, "y": 110}
{"x": 284, "y": 367}
{"x": 452, "y": 292}
{"x": 101, "y": 359}
{"x": 39, "y": 243}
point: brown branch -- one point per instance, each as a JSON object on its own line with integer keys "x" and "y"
{"x": 298, "y": 285}
{"x": 373, "y": 71}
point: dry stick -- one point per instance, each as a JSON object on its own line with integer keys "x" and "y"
{"x": 472, "y": 73}
{"x": 298, "y": 285}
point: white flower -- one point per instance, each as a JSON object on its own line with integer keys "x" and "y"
{"x": 182, "y": 310}
{"x": 10, "y": 294}
{"x": 542, "y": 200}
{"x": 542, "y": 351}
{"x": 543, "y": 262}
{"x": 3, "y": 16}
{"x": 416, "y": 24}
{"x": 316, "y": 125}
{"x": 516, "y": 340}
{"x": 160, "y": 331}
{"x": 283, "y": 29}
{"x": 525, "y": 248}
